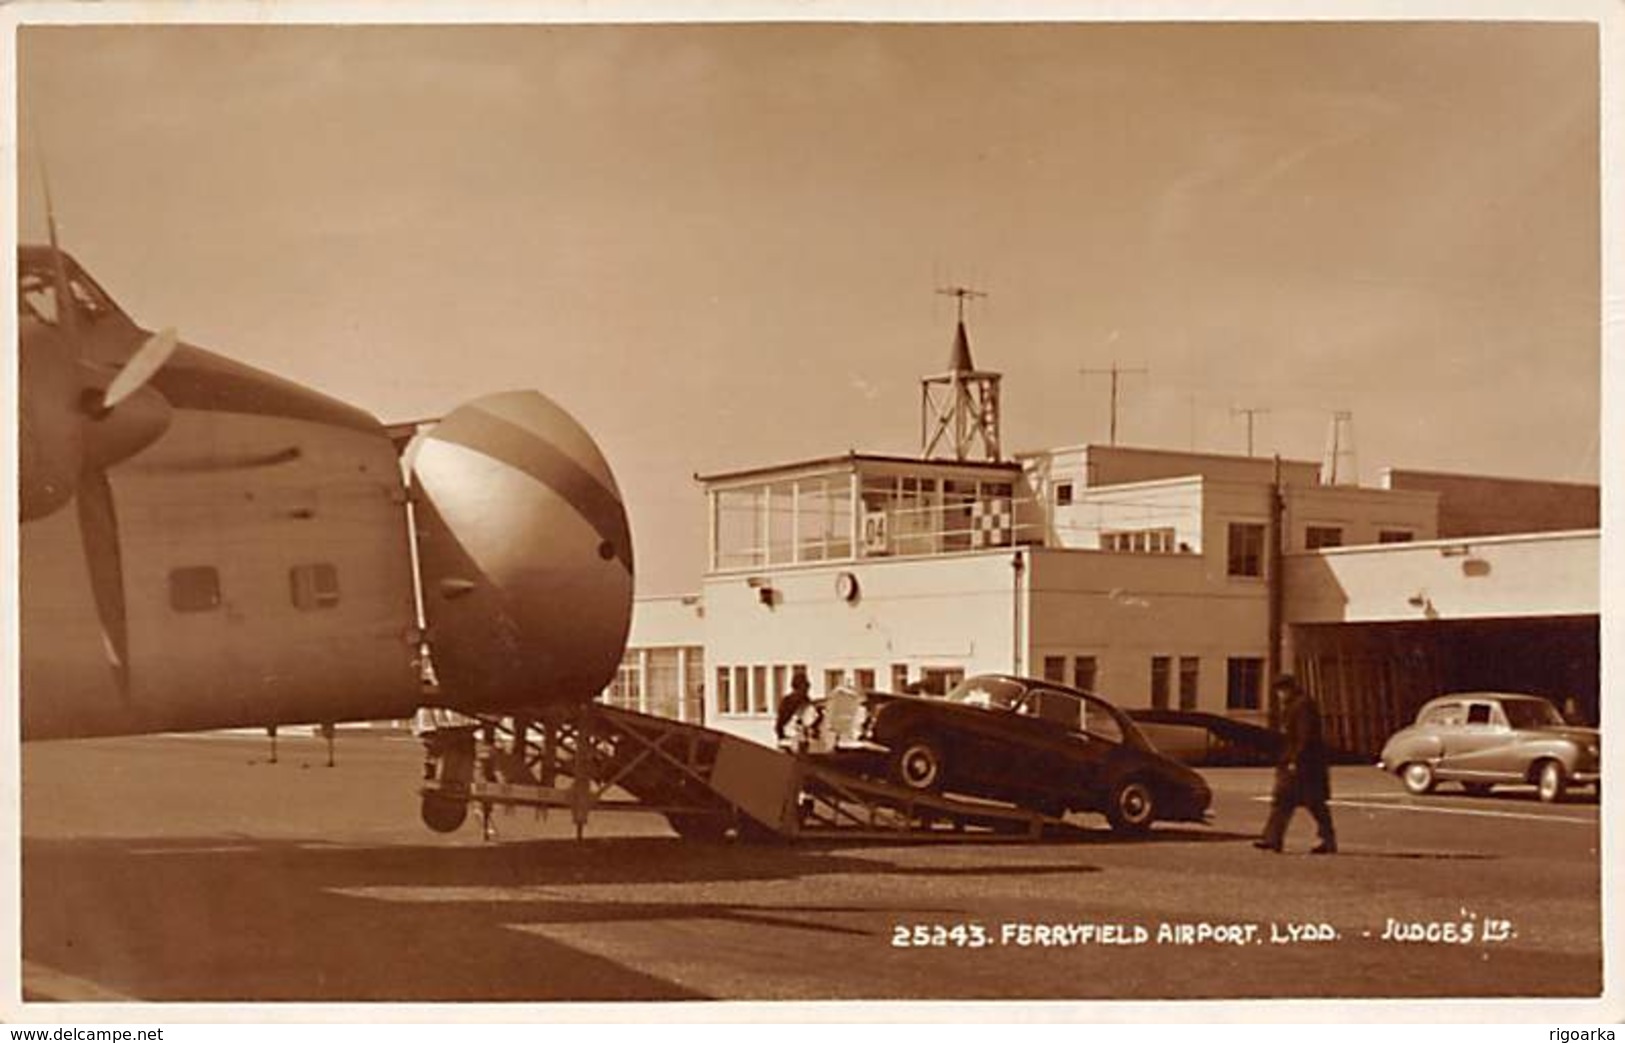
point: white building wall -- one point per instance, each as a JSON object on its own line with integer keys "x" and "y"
{"x": 944, "y": 612}
{"x": 1544, "y": 574}
{"x": 1126, "y": 608}
{"x": 1362, "y": 514}
{"x": 1175, "y": 504}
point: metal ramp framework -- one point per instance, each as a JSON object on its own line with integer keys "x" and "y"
{"x": 707, "y": 784}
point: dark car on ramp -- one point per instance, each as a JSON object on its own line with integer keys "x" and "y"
{"x": 1033, "y": 743}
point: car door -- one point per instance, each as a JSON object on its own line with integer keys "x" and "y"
{"x": 1075, "y": 743}
{"x": 1471, "y": 750}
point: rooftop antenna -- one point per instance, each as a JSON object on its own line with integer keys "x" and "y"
{"x": 1338, "y": 468}
{"x": 1250, "y": 412}
{"x": 1115, "y": 371}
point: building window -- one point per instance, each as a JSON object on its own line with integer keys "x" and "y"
{"x": 694, "y": 684}
{"x": 758, "y": 691}
{"x": 314, "y": 586}
{"x": 780, "y": 684}
{"x": 1083, "y": 672}
{"x": 1318, "y": 536}
{"x": 1159, "y": 682}
{"x": 1055, "y": 668}
{"x": 899, "y": 677}
{"x": 1246, "y": 549}
{"x": 725, "y": 695}
{"x": 1063, "y": 494}
{"x": 1395, "y": 536}
{"x": 195, "y": 588}
{"x": 1139, "y": 541}
{"x": 938, "y": 680}
{"x": 864, "y": 680}
{"x": 1244, "y": 683}
{"x": 833, "y": 679}
{"x": 1189, "y": 671}
{"x": 741, "y": 689}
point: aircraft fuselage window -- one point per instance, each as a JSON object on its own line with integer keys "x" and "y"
{"x": 314, "y": 586}
{"x": 195, "y": 588}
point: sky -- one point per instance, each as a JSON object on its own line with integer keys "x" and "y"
{"x": 718, "y": 246}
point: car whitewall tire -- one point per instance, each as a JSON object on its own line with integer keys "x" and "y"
{"x": 1418, "y": 778}
{"x": 1552, "y": 782}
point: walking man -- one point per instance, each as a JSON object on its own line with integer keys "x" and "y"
{"x": 794, "y": 701}
{"x": 1302, "y": 778}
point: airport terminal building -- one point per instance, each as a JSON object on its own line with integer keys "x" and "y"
{"x": 1156, "y": 578}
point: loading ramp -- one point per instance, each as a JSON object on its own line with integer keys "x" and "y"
{"x": 708, "y": 784}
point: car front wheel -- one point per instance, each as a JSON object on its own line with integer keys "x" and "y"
{"x": 1552, "y": 782}
{"x": 1418, "y": 777}
{"x": 918, "y": 764}
{"x": 1133, "y": 807}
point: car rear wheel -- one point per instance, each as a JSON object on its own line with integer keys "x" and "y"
{"x": 1133, "y": 807}
{"x": 1477, "y": 789}
{"x": 918, "y": 764}
{"x": 1418, "y": 778}
{"x": 1551, "y": 782}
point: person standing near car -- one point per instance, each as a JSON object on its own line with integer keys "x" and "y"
{"x": 1302, "y": 778}
{"x": 793, "y": 702}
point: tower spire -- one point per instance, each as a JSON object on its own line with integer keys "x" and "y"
{"x": 959, "y": 410}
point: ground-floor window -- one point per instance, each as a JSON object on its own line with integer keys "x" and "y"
{"x": 1055, "y": 668}
{"x": 1189, "y": 670}
{"x": 1084, "y": 670}
{"x": 1159, "y": 682}
{"x": 1245, "y": 682}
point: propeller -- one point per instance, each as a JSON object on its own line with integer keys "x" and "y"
{"x": 79, "y": 418}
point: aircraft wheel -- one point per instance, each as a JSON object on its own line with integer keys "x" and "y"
{"x": 1552, "y": 782}
{"x": 1133, "y": 807}
{"x": 1418, "y": 778}
{"x": 442, "y": 814}
{"x": 1477, "y": 789}
{"x": 918, "y": 764}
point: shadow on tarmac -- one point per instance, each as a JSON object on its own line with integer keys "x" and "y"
{"x": 227, "y": 918}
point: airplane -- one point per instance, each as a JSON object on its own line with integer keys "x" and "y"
{"x": 204, "y": 545}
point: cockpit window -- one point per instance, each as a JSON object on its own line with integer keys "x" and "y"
{"x": 37, "y": 296}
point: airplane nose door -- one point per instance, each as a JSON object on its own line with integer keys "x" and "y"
{"x": 525, "y": 555}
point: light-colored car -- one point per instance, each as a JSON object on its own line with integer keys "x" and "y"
{"x": 1480, "y": 739}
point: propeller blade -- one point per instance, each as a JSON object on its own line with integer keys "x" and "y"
{"x": 141, "y": 367}
{"x": 98, "y": 528}
{"x": 66, "y": 310}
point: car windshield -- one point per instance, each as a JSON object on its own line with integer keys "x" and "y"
{"x": 1531, "y": 713}
{"x": 990, "y": 693}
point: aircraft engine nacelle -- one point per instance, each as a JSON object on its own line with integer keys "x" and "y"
{"x": 525, "y": 555}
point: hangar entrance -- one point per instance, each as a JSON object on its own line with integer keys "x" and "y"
{"x": 1371, "y": 678}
